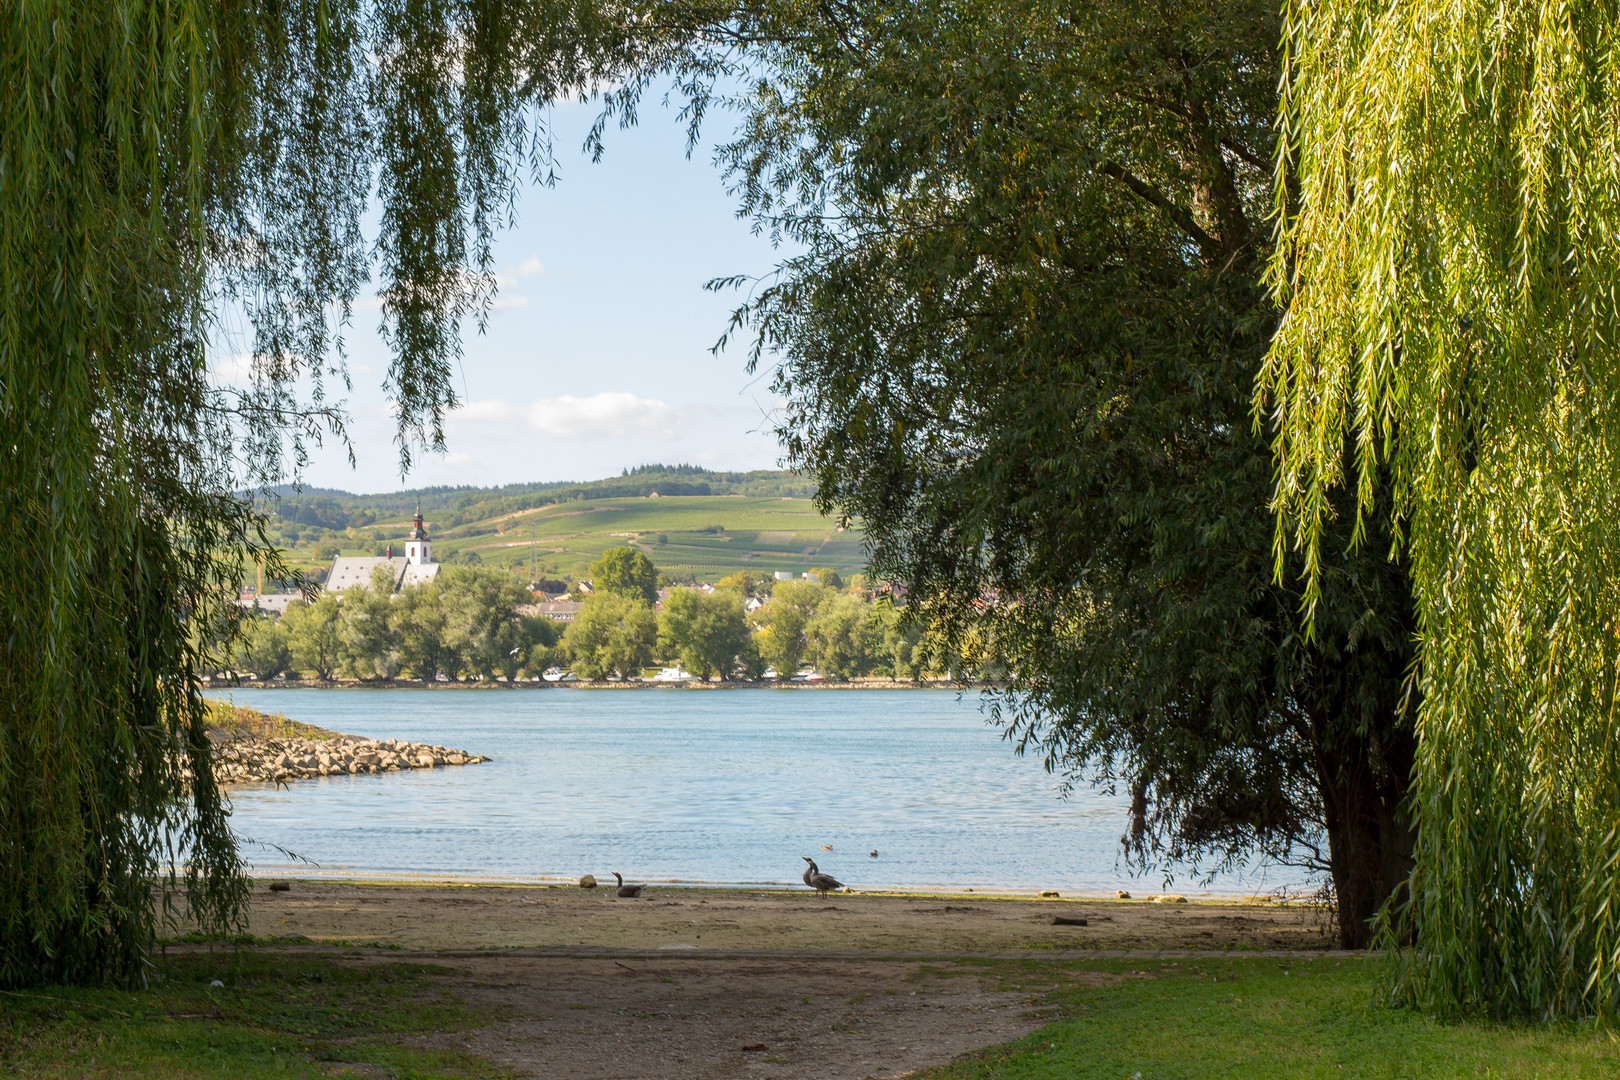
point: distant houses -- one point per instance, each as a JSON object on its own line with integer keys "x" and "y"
{"x": 562, "y": 611}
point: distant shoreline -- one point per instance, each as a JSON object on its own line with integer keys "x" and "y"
{"x": 646, "y": 684}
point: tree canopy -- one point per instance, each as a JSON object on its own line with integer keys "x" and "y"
{"x": 611, "y": 635}
{"x": 1449, "y": 261}
{"x": 1020, "y": 344}
{"x": 626, "y": 572}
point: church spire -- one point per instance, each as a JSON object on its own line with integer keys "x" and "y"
{"x": 417, "y": 549}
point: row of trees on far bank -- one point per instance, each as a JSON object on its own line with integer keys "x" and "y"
{"x": 466, "y": 622}
{"x": 841, "y": 633}
{"x": 477, "y": 622}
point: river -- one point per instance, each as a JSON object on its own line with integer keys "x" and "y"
{"x": 727, "y": 786}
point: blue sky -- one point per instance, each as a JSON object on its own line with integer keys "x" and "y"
{"x": 597, "y": 355}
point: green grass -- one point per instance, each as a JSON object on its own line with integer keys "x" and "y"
{"x": 227, "y": 721}
{"x": 286, "y": 1015}
{"x": 1218, "y": 1019}
{"x": 276, "y": 1015}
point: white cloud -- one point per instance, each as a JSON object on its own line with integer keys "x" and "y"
{"x": 507, "y": 303}
{"x": 530, "y": 267}
{"x": 611, "y": 414}
{"x": 234, "y": 370}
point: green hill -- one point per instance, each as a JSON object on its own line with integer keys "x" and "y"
{"x": 691, "y": 522}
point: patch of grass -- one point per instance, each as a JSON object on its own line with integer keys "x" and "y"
{"x": 1313, "y": 1019}
{"x": 228, "y": 721}
{"x": 274, "y": 1015}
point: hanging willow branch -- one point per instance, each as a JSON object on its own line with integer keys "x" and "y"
{"x": 1449, "y": 183}
{"x": 162, "y": 162}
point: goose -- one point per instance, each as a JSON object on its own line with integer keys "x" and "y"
{"x": 627, "y": 891}
{"x": 822, "y": 883}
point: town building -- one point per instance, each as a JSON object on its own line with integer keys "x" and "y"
{"x": 555, "y": 610}
{"x": 271, "y": 604}
{"x": 415, "y": 567}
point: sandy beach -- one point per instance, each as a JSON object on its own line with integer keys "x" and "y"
{"x": 666, "y": 918}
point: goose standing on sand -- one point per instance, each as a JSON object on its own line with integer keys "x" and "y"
{"x": 627, "y": 891}
{"x": 822, "y": 883}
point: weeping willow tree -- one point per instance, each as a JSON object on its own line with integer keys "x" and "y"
{"x": 162, "y": 163}
{"x": 1449, "y": 255}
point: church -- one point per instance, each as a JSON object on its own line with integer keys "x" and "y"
{"x": 415, "y": 567}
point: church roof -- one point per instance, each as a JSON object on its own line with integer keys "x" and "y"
{"x": 418, "y": 574}
{"x": 351, "y": 571}
{"x": 354, "y": 571}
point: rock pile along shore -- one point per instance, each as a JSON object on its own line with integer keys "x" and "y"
{"x": 241, "y": 761}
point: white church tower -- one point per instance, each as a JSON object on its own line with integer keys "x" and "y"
{"x": 416, "y": 547}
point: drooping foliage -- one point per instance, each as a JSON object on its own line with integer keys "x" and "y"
{"x": 1020, "y": 344}
{"x": 1449, "y": 261}
{"x": 161, "y": 163}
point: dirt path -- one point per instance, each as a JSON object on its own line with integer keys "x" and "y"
{"x": 682, "y": 1018}
{"x": 439, "y": 917}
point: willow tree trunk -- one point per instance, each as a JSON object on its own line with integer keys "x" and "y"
{"x": 1363, "y": 777}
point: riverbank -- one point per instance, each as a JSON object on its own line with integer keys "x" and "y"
{"x": 681, "y": 919}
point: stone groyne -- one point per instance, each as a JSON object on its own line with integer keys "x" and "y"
{"x": 276, "y": 760}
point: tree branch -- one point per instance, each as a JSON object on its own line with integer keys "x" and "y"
{"x": 1244, "y": 154}
{"x": 1179, "y": 215}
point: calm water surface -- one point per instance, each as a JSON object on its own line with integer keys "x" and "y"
{"x": 692, "y": 786}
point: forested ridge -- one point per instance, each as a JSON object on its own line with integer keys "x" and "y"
{"x": 329, "y": 508}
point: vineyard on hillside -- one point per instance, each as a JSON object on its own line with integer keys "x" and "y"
{"x": 762, "y": 522}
